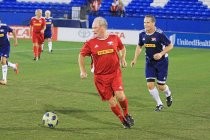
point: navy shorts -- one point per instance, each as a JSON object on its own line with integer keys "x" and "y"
{"x": 47, "y": 35}
{"x": 157, "y": 70}
{"x": 4, "y": 51}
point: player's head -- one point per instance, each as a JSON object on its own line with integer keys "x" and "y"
{"x": 47, "y": 13}
{"x": 38, "y": 13}
{"x": 149, "y": 23}
{"x": 99, "y": 26}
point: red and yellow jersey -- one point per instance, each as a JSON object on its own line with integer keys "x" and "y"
{"x": 104, "y": 53}
{"x": 37, "y": 24}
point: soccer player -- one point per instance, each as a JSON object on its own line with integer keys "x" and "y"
{"x": 104, "y": 49}
{"x": 37, "y": 27}
{"x": 5, "y": 50}
{"x": 48, "y": 31}
{"x": 157, "y": 46}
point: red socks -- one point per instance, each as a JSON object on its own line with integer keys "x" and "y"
{"x": 124, "y": 106}
{"x": 116, "y": 110}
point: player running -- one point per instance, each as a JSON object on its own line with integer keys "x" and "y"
{"x": 5, "y": 51}
{"x": 104, "y": 49}
{"x": 157, "y": 46}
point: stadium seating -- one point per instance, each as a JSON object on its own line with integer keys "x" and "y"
{"x": 173, "y": 9}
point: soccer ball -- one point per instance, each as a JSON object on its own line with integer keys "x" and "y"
{"x": 50, "y": 119}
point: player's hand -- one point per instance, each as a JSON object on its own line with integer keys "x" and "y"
{"x": 42, "y": 31}
{"x": 157, "y": 56}
{"x": 133, "y": 62}
{"x": 123, "y": 63}
{"x": 16, "y": 44}
{"x": 83, "y": 75}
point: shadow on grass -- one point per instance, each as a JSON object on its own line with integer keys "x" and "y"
{"x": 80, "y": 114}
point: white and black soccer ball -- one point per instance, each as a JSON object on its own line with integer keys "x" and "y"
{"x": 50, "y": 119}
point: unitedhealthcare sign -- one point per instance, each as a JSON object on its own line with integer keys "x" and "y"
{"x": 190, "y": 40}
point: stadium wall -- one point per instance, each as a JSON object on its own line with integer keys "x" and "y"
{"x": 190, "y": 40}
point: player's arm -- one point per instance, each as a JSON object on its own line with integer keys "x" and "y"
{"x": 122, "y": 57}
{"x": 81, "y": 61}
{"x": 31, "y": 31}
{"x": 44, "y": 27}
{"x": 15, "y": 38}
{"x": 158, "y": 56}
{"x": 136, "y": 55}
{"x": 52, "y": 26}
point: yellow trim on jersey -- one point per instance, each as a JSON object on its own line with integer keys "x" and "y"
{"x": 48, "y": 22}
{"x": 149, "y": 45}
{"x": 37, "y": 24}
{"x": 102, "y": 52}
{"x": 1, "y": 35}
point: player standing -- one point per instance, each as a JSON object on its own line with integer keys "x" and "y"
{"x": 48, "y": 31}
{"x": 104, "y": 49}
{"x": 5, "y": 51}
{"x": 37, "y": 27}
{"x": 157, "y": 46}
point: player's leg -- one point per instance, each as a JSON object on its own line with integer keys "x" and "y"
{"x": 150, "y": 73}
{"x": 14, "y": 66}
{"x": 4, "y": 70}
{"x": 162, "y": 77}
{"x": 36, "y": 51}
{"x": 123, "y": 102}
{"x": 49, "y": 44}
{"x": 42, "y": 46}
{"x": 40, "y": 41}
{"x": 117, "y": 87}
{"x": 106, "y": 94}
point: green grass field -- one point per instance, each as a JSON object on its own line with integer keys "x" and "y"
{"x": 53, "y": 84}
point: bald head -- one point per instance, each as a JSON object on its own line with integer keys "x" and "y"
{"x": 100, "y": 21}
{"x": 38, "y": 13}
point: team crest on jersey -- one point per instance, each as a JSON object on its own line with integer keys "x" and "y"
{"x": 110, "y": 43}
{"x": 153, "y": 39}
{"x": 96, "y": 46}
{"x": 1, "y": 30}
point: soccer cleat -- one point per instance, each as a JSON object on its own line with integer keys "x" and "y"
{"x": 36, "y": 58}
{"x": 169, "y": 101}
{"x": 126, "y": 124}
{"x": 16, "y": 69}
{"x": 130, "y": 120}
{"x": 3, "y": 82}
{"x": 158, "y": 108}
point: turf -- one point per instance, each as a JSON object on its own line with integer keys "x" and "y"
{"x": 53, "y": 84}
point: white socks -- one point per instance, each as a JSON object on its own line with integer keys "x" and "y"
{"x": 167, "y": 91}
{"x": 11, "y": 65}
{"x": 42, "y": 46}
{"x": 155, "y": 94}
{"x": 4, "y": 72}
{"x": 50, "y": 46}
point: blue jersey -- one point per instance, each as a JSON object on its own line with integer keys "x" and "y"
{"x": 154, "y": 43}
{"x": 48, "y": 30}
{"x": 4, "y": 30}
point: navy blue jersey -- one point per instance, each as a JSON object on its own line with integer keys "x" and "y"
{"x": 154, "y": 43}
{"x": 49, "y": 23}
{"x": 4, "y": 29}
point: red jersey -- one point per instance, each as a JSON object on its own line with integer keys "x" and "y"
{"x": 37, "y": 24}
{"x": 104, "y": 54}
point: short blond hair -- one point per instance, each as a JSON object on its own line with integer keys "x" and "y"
{"x": 47, "y": 12}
